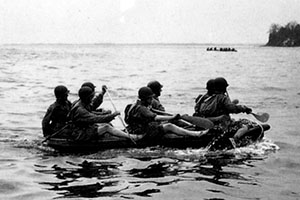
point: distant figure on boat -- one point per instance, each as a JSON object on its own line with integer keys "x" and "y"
{"x": 56, "y": 115}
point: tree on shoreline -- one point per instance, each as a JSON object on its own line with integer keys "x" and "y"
{"x": 287, "y": 36}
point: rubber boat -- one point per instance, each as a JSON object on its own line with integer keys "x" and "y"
{"x": 213, "y": 140}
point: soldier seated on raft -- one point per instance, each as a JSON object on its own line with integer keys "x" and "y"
{"x": 89, "y": 126}
{"x": 56, "y": 115}
{"x": 97, "y": 100}
{"x": 142, "y": 121}
{"x": 156, "y": 88}
{"x": 202, "y": 99}
{"x": 216, "y": 104}
{"x": 158, "y": 108}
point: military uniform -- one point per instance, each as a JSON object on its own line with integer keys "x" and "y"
{"x": 56, "y": 117}
{"x": 156, "y": 104}
{"x": 86, "y": 123}
{"x": 141, "y": 121}
{"x": 216, "y": 105}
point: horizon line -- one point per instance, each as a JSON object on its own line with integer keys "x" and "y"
{"x": 113, "y": 43}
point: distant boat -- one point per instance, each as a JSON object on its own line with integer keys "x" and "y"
{"x": 224, "y": 49}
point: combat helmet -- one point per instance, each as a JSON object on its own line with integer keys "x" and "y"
{"x": 145, "y": 92}
{"x": 89, "y": 84}
{"x": 85, "y": 93}
{"x": 60, "y": 91}
{"x": 220, "y": 84}
{"x": 210, "y": 84}
{"x": 155, "y": 86}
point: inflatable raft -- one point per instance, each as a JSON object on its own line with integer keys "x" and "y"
{"x": 213, "y": 140}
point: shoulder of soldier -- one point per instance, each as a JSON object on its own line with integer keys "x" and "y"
{"x": 155, "y": 101}
{"x": 80, "y": 108}
{"x": 53, "y": 105}
{"x": 50, "y": 108}
{"x": 223, "y": 98}
{"x": 221, "y": 95}
{"x": 198, "y": 97}
{"x": 141, "y": 108}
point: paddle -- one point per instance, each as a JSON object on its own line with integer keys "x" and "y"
{"x": 123, "y": 123}
{"x": 262, "y": 117}
{"x": 197, "y": 121}
{"x": 54, "y": 134}
{"x": 169, "y": 114}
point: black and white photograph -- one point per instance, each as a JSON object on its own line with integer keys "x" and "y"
{"x": 150, "y": 99}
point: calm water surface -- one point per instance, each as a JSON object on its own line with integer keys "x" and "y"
{"x": 266, "y": 79}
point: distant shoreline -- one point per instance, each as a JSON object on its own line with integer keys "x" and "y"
{"x": 284, "y": 36}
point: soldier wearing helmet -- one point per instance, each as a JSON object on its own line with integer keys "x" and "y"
{"x": 89, "y": 125}
{"x": 218, "y": 103}
{"x": 97, "y": 100}
{"x": 56, "y": 115}
{"x": 142, "y": 121}
{"x": 218, "y": 107}
{"x": 145, "y": 93}
{"x": 156, "y": 88}
{"x": 86, "y": 94}
{"x": 210, "y": 87}
{"x": 90, "y": 85}
{"x": 220, "y": 84}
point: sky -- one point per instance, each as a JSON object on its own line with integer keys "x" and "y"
{"x": 143, "y": 21}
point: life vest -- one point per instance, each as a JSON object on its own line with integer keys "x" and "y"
{"x": 127, "y": 111}
{"x": 206, "y": 105}
{"x": 132, "y": 116}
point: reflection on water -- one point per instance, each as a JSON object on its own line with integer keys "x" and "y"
{"x": 146, "y": 172}
{"x": 85, "y": 169}
{"x": 104, "y": 171}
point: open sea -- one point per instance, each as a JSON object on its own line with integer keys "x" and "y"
{"x": 266, "y": 79}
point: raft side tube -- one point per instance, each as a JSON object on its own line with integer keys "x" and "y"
{"x": 257, "y": 132}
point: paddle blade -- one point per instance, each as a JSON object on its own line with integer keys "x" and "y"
{"x": 198, "y": 121}
{"x": 262, "y": 117}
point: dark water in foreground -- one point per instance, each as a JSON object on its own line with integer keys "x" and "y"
{"x": 266, "y": 79}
